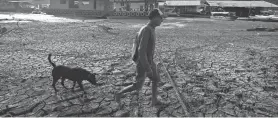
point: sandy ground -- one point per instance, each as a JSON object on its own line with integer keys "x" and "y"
{"x": 220, "y": 68}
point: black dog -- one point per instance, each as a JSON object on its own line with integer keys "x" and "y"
{"x": 74, "y": 74}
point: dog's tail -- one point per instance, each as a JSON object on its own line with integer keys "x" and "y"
{"x": 49, "y": 59}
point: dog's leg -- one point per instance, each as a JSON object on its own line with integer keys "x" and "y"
{"x": 55, "y": 79}
{"x": 74, "y": 82}
{"x": 63, "y": 83}
{"x": 81, "y": 86}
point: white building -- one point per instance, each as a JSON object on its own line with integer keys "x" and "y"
{"x": 135, "y": 5}
{"x": 102, "y": 5}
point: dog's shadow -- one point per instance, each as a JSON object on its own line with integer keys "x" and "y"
{"x": 76, "y": 93}
{"x": 82, "y": 98}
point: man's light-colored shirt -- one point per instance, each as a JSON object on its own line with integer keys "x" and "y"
{"x": 144, "y": 46}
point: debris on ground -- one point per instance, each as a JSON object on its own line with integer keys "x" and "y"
{"x": 263, "y": 29}
{"x": 3, "y": 30}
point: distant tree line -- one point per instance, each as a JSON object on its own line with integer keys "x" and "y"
{"x": 271, "y": 1}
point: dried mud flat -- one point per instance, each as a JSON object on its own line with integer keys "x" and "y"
{"x": 219, "y": 68}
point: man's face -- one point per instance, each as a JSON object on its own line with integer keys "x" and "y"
{"x": 157, "y": 20}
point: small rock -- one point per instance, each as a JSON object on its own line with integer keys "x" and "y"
{"x": 209, "y": 73}
{"x": 275, "y": 96}
{"x": 3, "y": 30}
{"x": 23, "y": 110}
{"x": 257, "y": 88}
{"x": 200, "y": 78}
{"x": 52, "y": 99}
{"x": 208, "y": 100}
{"x": 115, "y": 64}
{"x": 39, "y": 107}
{"x": 58, "y": 108}
{"x": 98, "y": 70}
{"x": 124, "y": 84}
{"x": 240, "y": 70}
{"x": 71, "y": 110}
{"x": 115, "y": 72}
{"x": 122, "y": 113}
{"x": 18, "y": 98}
{"x": 53, "y": 114}
{"x": 211, "y": 87}
{"x": 38, "y": 93}
{"x": 2, "y": 98}
{"x": 269, "y": 88}
{"x": 114, "y": 106}
{"x": 4, "y": 88}
{"x": 21, "y": 91}
{"x": 8, "y": 115}
{"x": 39, "y": 113}
{"x": 3, "y": 92}
{"x": 249, "y": 101}
{"x": 167, "y": 87}
{"x": 242, "y": 113}
{"x": 77, "y": 101}
{"x": 105, "y": 111}
{"x": 94, "y": 105}
{"x": 239, "y": 95}
{"x": 130, "y": 75}
{"x": 197, "y": 90}
{"x": 148, "y": 92}
{"x": 30, "y": 91}
{"x": 263, "y": 112}
{"x": 23, "y": 80}
{"x": 87, "y": 108}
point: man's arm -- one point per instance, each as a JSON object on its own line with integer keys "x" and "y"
{"x": 142, "y": 50}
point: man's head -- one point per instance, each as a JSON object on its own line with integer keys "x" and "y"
{"x": 156, "y": 17}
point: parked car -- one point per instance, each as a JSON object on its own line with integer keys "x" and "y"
{"x": 37, "y": 11}
{"x": 265, "y": 16}
{"x": 274, "y": 17}
{"x": 230, "y": 16}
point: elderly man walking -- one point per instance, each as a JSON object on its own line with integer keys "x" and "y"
{"x": 142, "y": 55}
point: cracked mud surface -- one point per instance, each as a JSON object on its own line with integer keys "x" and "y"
{"x": 220, "y": 68}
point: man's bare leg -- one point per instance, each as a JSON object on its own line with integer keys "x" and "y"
{"x": 140, "y": 79}
{"x": 155, "y": 101}
{"x": 154, "y": 93}
{"x": 125, "y": 90}
{"x": 155, "y": 80}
